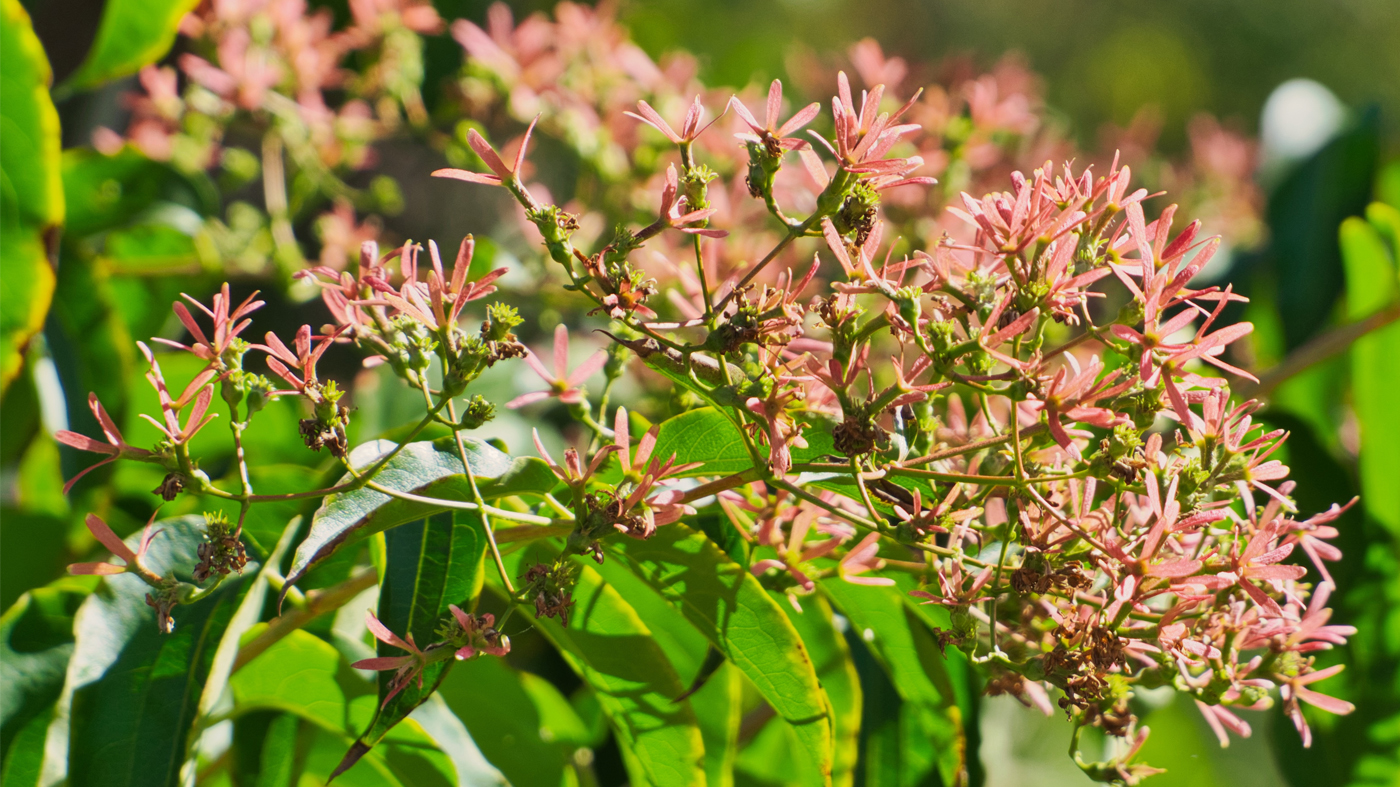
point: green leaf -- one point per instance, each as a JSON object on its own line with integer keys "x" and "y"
{"x": 151, "y": 249}
{"x": 304, "y": 675}
{"x": 725, "y": 603}
{"x": 36, "y": 641}
{"x": 716, "y": 701}
{"x": 614, "y": 652}
{"x": 430, "y": 564}
{"x": 703, "y": 435}
{"x": 906, "y": 649}
{"x": 133, "y": 33}
{"x": 837, "y": 673}
{"x": 1372, "y": 284}
{"x": 424, "y": 468}
{"x": 103, "y": 192}
{"x": 93, "y": 353}
{"x": 31, "y": 194}
{"x": 133, "y": 693}
{"x": 1303, "y": 213}
{"x": 522, "y": 723}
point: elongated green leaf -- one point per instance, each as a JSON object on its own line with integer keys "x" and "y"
{"x": 907, "y": 651}
{"x": 31, "y": 193}
{"x": 132, "y": 693}
{"x": 430, "y": 565}
{"x": 607, "y": 644}
{"x": 36, "y": 641}
{"x": 716, "y": 698}
{"x": 523, "y": 724}
{"x": 426, "y": 469}
{"x": 725, "y": 603}
{"x": 304, "y": 675}
{"x": 133, "y": 33}
{"x": 837, "y": 673}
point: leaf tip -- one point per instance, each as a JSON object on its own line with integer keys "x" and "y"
{"x": 357, "y": 750}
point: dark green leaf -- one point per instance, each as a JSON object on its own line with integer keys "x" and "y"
{"x": 31, "y": 193}
{"x": 133, "y": 33}
{"x": 1303, "y": 215}
{"x": 725, "y": 603}
{"x": 36, "y": 640}
{"x": 906, "y": 649}
{"x": 429, "y": 565}
{"x": 614, "y": 652}
{"x": 427, "y": 469}
{"x": 134, "y": 691}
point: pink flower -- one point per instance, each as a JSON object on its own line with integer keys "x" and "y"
{"x": 1257, "y": 561}
{"x": 1221, "y": 719}
{"x": 795, "y": 553}
{"x": 862, "y": 558}
{"x": 572, "y": 472}
{"x": 479, "y": 634}
{"x": 956, "y": 592}
{"x": 227, "y": 325}
{"x": 170, "y": 408}
{"x": 105, "y": 536}
{"x": 406, "y": 667}
{"x": 773, "y": 137}
{"x": 671, "y": 207}
{"x": 502, "y": 175}
{"x": 115, "y": 448}
{"x": 564, "y": 385}
{"x": 690, "y": 127}
{"x": 1073, "y": 397}
{"x": 279, "y": 357}
{"x": 1293, "y": 689}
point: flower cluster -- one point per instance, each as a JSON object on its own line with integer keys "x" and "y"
{"x": 1096, "y": 526}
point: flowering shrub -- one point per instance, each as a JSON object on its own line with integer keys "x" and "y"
{"x": 991, "y": 438}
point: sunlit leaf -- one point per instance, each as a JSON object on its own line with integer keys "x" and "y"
{"x": 714, "y": 684}
{"x": 725, "y": 603}
{"x": 908, "y": 652}
{"x": 31, "y": 192}
{"x": 128, "y": 697}
{"x": 133, "y": 33}
{"x": 607, "y": 644}
{"x": 522, "y": 723}
{"x": 430, "y": 565}
{"x": 426, "y": 469}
